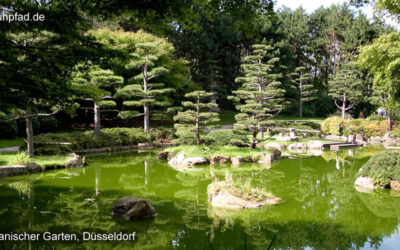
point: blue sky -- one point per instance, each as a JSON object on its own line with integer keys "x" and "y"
{"x": 311, "y": 5}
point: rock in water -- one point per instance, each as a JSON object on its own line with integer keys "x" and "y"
{"x": 219, "y": 159}
{"x": 314, "y": 144}
{"x": 75, "y": 162}
{"x": 177, "y": 160}
{"x": 131, "y": 208}
{"x": 32, "y": 167}
{"x": 194, "y": 161}
{"x": 364, "y": 184}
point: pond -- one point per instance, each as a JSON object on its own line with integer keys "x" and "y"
{"x": 320, "y": 208}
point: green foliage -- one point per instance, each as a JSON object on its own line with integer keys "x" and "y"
{"x": 109, "y": 137}
{"x": 346, "y": 88}
{"x": 396, "y": 132}
{"x": 223, "y": 137}
{"x": 191, "y": 122}
{"x": 381, "y": 58}
{"x": 333, "y": 125}
{"x": 375, "y": 118}
{"x": 304, "y": 86}
{"x": 22, "y": 158}
{"x": 364, "y": 127}
{"x": 383, "y": 168}
{"x": 260, "y": 96}
{"x": 337, "y": 126}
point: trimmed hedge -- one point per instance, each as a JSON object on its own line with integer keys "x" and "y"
{"x": 382, "y": 168}
{"x": 109, "y": 137}
{"x": 222, "y": 137}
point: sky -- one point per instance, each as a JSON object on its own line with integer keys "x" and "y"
{"x": 311, "y": 5}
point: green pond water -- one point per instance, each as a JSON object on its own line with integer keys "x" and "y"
{"x": 320, "y": 208}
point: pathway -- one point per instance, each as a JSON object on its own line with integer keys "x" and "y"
{"x": 9, "y": 149}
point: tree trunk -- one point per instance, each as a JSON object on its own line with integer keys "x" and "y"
{"x": 96, "y": 111}
{"x": 29, "y": 130}
{"x": 146, "y": 108}
{"x": 261, "y": 129}
{"x": 198, "y": 120}
{"x": 344, "y": 106}
{"x": 253, "y": 143}
{"x": 300, "y": 98}
{"x": 146, "y": 118}
{"x": 390, "y": 124}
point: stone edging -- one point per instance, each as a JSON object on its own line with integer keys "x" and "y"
{"x": 75, "y": 162}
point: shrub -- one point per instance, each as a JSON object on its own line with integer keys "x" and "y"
{"x": 22, "y": 158}
{"x": 333, "y": 125}
{"x": 382, "y": 168}
{"x": 375, "y": 118}
{"x": 109, "y": 137}
{"x": 223, "y": 137}
{"x": 396, "y": 131}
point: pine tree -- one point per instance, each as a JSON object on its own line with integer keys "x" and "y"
{"x": 260, "y": 97}
{"x": 144, "y": 59}
{"x": 96, "y": 84}
{"x": 198, "y": 117}
{"x": 306, "y": 91}
{"x": 345, "y": 88}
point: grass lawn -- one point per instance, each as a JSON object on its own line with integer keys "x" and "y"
{"x": 15, "y": 142}
{"x": 10, "y": 158}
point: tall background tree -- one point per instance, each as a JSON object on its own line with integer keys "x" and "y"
{"x": 304, "y": 86}
{"x": 382, "y": 59}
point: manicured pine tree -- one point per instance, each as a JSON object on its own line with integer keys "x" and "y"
{"x": 144, "y": 59}
{"x": 346, "y": 88}
{"x": 198, "y": 117}
{"x": 96, "y": 84}
{"x": 260, "y": 96}
{"x": 306, "y": 91}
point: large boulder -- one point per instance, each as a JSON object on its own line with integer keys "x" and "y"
{"x": 194, "y": 161}
{"x": 165, "y": 155}
{"x": 32, "y": 167}
{"x": 236, "y": 160}
{"x": 395, "y": 185}
{"x": 265, "y": 158}
{"x": 364, "y": 184}
{"x": 219, "y": 159}
{"x": 274, "y": 145}
{"x": 297, "y": 146}
{"x": 314, "y": 144}
{"x": 75, "y": 162}
{"x": 131, "y": 208}
{"x": 176, "y": 160}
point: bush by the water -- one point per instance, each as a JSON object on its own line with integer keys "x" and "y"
{"x": 109, "y": 137}
{"x": 333, "y": 125}
{"x": 383, "y": 168}
{"x": 337, "y": 126}
{"x": 223, "y": 137}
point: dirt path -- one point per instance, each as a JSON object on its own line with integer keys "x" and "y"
{"x": 9, "y": 149}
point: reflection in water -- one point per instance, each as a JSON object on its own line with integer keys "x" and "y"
{"x": 321, "y": 208}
